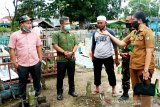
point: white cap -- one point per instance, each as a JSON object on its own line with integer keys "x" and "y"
{"x": 102, "y": 18}
{"x": 35, "y": 23}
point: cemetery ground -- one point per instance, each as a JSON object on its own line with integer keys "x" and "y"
{"x": 82, "y": 76}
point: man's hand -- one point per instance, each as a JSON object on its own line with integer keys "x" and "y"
{"x": 116, "y": 61}
{"x": 91, "y": 55}
{"x": 68, "y": 54}
{"x": 15, "y": 65}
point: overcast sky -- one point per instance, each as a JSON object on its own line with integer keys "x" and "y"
{"x": 9, "y": 5}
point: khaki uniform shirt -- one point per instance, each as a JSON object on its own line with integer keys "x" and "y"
{"x": 141, "y": 39}
{"x": 66, "y": 41}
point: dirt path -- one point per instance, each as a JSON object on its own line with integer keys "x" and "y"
{"x": 81, "y": 77}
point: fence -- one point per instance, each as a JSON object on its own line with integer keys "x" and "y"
{"x": 83, "y": 34}
{"x": 6, "y": 66}
{"x": 157, "y": 59}
{"x": 44, "y": 43}
{"x": 48, "y": 67}
{"x": 5, "y": 33}
{"x": 49, "y": 64}
{"x": 49, "y": 58}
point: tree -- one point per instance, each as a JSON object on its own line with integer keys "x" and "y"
{"x": 13, "y": 23}
{"x": 149, "y": 7}
{"x": 33, "y": 8}
{"x": 78, "y": 10}
{"x": 86, "y": 10}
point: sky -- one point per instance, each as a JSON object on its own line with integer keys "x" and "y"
{"x": 9, "y": 5}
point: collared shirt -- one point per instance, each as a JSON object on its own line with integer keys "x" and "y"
{"x": 25, "y": 45}
{"x": 66, "y": 41}
{"x": 141, "y": 39}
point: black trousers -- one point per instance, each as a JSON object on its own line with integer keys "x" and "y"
{"x": 109, "y": 67}
{"x": 23, "y": 73}
{"x": 125, "y": 74}
{"x": 62, "y": 67}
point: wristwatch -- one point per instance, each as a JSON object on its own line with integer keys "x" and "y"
{"x": 145, "y": 70}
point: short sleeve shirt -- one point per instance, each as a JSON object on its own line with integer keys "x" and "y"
{"x": 66, "y": 41}
{"x": 141, "y": 39}
{"x": 104, "y": 45}
{"x": 25, "y": 45}
{"x": 37, "y": 30}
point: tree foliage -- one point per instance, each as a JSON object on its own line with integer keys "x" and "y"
{"x": 14, "y": 23}
{"x": 77, "y": 10}
{"x": 149, "y": 7}
{"x": 86, "y": 10}
{"x": 34, "y": 8}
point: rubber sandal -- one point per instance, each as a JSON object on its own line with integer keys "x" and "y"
{"x": 108, "y": 101}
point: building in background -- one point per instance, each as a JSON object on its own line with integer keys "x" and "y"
{"x": 5, "y": 21}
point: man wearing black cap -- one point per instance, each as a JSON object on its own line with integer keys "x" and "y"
{"x": 27, "y": 46}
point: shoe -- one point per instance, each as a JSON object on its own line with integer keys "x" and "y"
{"x": 59, "y": 97}
{"x": 124, "y": 97}
{"x": 73, "y": 94}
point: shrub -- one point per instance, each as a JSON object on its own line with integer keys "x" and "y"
{"x": 4, "y": 29}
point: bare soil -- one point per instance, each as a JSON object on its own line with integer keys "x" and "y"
{"x": 83, "y": 75}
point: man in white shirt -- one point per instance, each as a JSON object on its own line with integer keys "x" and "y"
{"x": 37, "y": 29}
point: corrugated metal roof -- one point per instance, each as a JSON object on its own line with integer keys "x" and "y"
{"x": 43, "y": 23}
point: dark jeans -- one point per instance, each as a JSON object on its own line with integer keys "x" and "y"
{"x": 61, "y": 70}
{"x": 125, "y": 74}
{"x": 109, "y": 67}
{"x": 23, "y": 73}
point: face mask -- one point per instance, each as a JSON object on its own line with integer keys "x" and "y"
{"x": 67, "y": 27}
{"x": 135, "y": 24}
{"x": 128, "y": 25}
{"x": 25, "y": 30}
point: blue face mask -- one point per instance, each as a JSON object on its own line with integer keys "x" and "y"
{"x": 25, "y": 30}
{"x": 67, "y": 27}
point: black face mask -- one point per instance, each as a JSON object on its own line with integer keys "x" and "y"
{"x": 128, "y": 25}
{"x": 135, "y": 24}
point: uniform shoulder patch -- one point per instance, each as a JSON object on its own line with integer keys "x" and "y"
{"x": 148, "y": 37}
